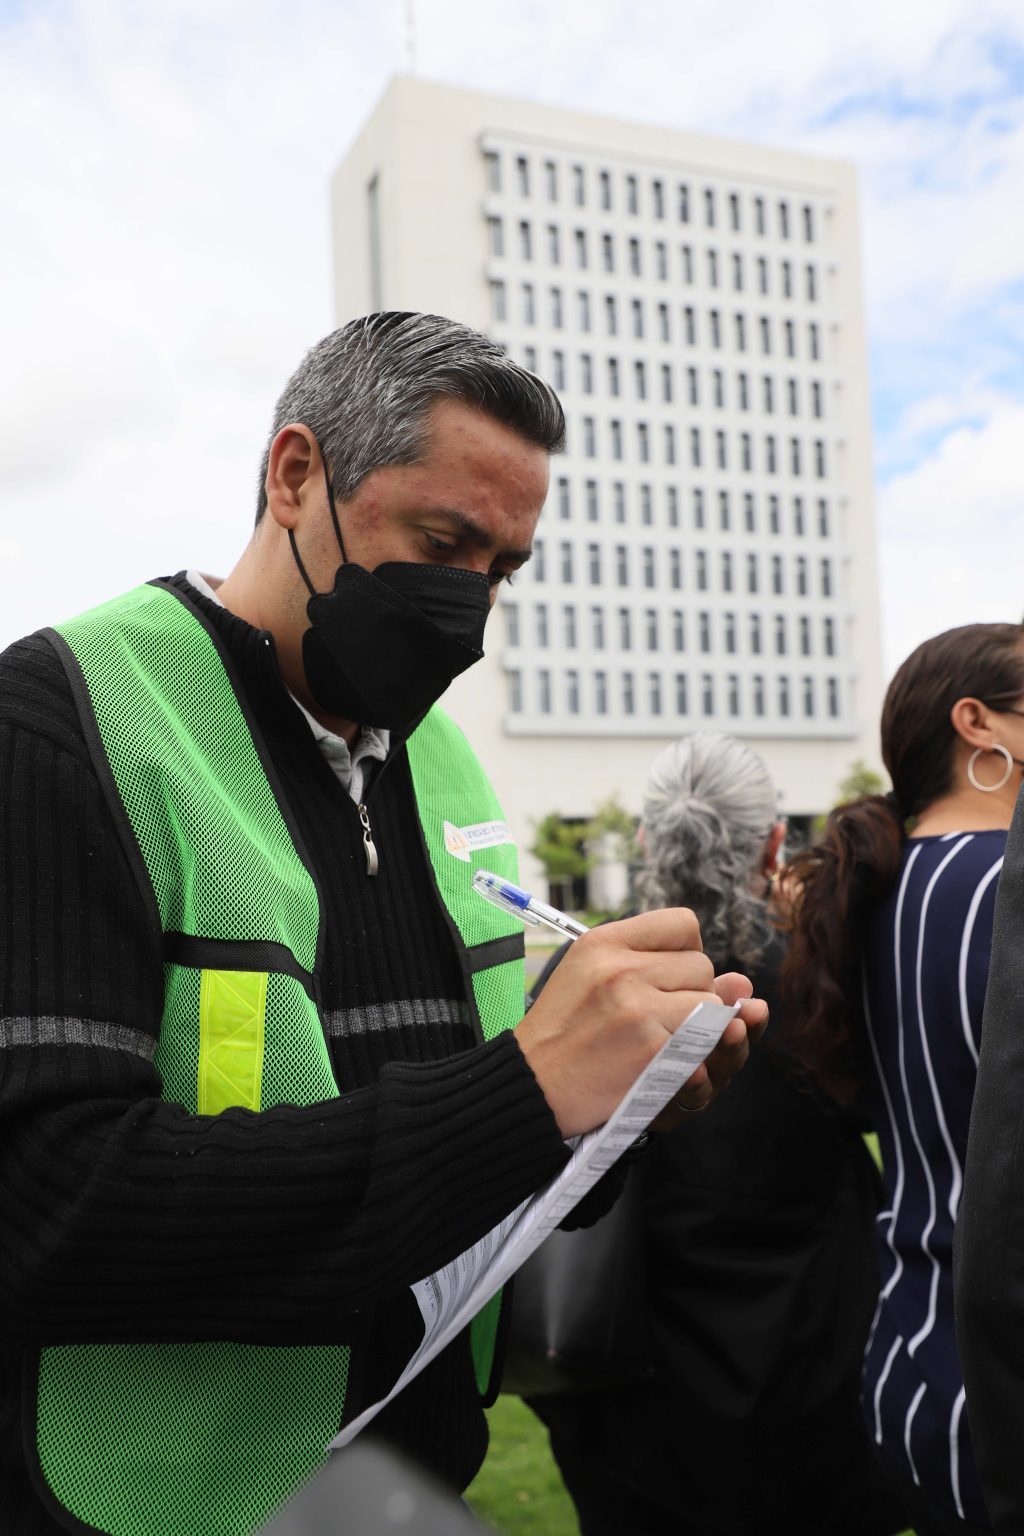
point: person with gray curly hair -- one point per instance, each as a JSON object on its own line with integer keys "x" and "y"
{"x": 757, "y": 1224}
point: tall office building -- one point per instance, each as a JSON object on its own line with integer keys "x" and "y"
{"x": 706, "y": 557}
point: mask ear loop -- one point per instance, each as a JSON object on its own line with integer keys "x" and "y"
{"x": 337, "y": 533}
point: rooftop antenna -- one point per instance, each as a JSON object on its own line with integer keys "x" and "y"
{"x": 410, "y": 34}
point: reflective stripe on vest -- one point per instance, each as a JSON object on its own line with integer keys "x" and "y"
{"x": 156, "y": 1440}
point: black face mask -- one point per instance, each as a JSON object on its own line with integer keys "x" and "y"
{"x": 384, "y": 645}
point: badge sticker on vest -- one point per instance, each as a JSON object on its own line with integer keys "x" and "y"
{"x": 463, "y": 842}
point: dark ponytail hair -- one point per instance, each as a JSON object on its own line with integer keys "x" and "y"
{"x": 856, "y": 863}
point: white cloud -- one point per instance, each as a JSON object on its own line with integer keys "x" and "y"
{"x": 951, "y": 543}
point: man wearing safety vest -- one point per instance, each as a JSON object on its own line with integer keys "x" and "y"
{"x": 263, "y": 1063}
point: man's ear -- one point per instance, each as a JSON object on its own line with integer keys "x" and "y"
{"x": 294, "y": 467}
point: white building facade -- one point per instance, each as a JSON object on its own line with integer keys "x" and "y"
{"x": 706, "y": 557}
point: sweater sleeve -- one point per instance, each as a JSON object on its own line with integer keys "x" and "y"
{"x": 989, "y": 1243}
{"x": 123, "y": 1217}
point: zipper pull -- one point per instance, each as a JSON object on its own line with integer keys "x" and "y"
{"x": 372, "y": 861}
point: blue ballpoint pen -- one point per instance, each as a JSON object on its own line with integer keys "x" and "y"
{"x": 512, "y": 898}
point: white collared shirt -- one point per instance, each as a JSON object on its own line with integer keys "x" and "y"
{"x": 350, "y": 766}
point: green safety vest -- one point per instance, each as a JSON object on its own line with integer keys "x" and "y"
{"x": 208, "y": 1439}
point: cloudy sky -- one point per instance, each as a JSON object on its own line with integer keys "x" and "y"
{"x": 164, "y": 251}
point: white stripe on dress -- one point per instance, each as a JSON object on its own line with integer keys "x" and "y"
{"x": 954, "y": 1449}
{"x": 898, "y": 1190}
{"x": 965, "y": 1015}
{"x": 915, "y": 1405}
{"x": 957, "y": 1176}
{"x": 897, "y": 1341}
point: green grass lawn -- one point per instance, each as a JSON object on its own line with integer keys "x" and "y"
{"x": 518, "y": 1491}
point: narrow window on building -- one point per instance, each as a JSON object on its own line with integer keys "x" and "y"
{"x": 724, "y": 511}
{"x": 649, "y": 570}
{"x": 712, "y": 269}
{"x": 698, "y": 507}
{"x": 707, "y": 690}
{"x": 805, "y": 635}
{"x": 569, "y": 626}
{"x": 798, "y": 516}
{"x": 811, "y": 280}
{"x": 554, "y": 251}
{"x": 670, "y": 443}
{"x": 826, "y": 578}
{"x": 580, "y": 243}
{"x": 589, "y": 437}
{"x": 634, "y": 256}
{"x": 611, "y": 319}
{"x": 695, "y": 447}
{"x": 692, "y": 391}
{"x": 537, "y": 560}
{"x": 579, "y": 189}
{"x": 638, "y": 317}
{"x": 622, "y": 565}
{"x": 551, "y": 180}
{"x": 829, "y": 637}
{"x": 690, "y": 325}
{"x": 492, "y": 168}
{"x": 541, "y": 625}
{"x": 607, "y": 253}
{"x": 742, "y": 396}
{"x": 498, "y": 300}
{"x": 678, "y": 630}
{"x": 658, "y": 199}
{"x": 675, "y": 569}
{"x": 813, "y": 346}
{"x": 613, "y": 376}
{"x": 619, "y": 501}
{"x": 726, "y": 570}
{"x": 769, "y": 455}
{"x": 496, "y": 236}
{"x": 816, "y": 401}
{"x": 755, "y": 634}
{"x": 632, "y": 195}
{"x": 740, "y": 324}
{"x": 718, "y": 388}
{"x": 787, "y": 280}
{"x": 660, "y": 260}
{"x": 686, "y": 253}
{"x": 704, "y": 631}
{"x": 666, "y": 383}
{"x": 555, "y": 304}
{"x": 663, "y": 322}
{"x": 748, "y": 512}
{"x": 777, "y": 575}
{"x": 592, "y": 507}
{"x": 737, "y": 272}
{"x": 819, "y": 458}
{"x": 780, "y": 633}
{"x": 643, "y": 446}
{"x": 684, "y": 203}
{"x": 597, "y": 628}
{"x": 801, "y": 575}
{"x": 808, "y": 696}
{"x": 762, "y": 274}
{"x": 511, "y": 625}
{"x": 654, "y": 693}
{"x": 605, "y": 184}
{"x": 672, "y": 507}
{"x": 529, "y": 309}
{"x": 716, "y": 328}
{"x": 752, "y": 582}
{"x": 640, "y": 379}
{"x": 525, "y": 240}
{"x": 784, "y": 221}
{"x": 515, "y": 692}
{"x": 746, "y": 452}
{"x": 720, "y": 451}
{"x": 682, "y": 700}
{"x": 586, "y": 373}
{"x": 567, "y": 562}
{"x": 600, "y": 693}
{"x": 734, "y": 211}
{"x": 789, "y": 331}
{"x": 628, "y": 699}
{"x": 784, "y": 696}
{"x": 769, "y": 396}
{"x": 572, "y": 691}
{"x": 564, "y": 507}
{"x": 702, "y": 571}
{"x": 544, "y": 691}
{"x": 733, "y": 693}
{"x": 625, "y": 630}
{"x": 792, "y": 397}
{"x": 823, "y": 523}
{"x": 774, "y": 522}
{"x": 651, "y": 628}
{"x": 646, "y": 506}
{"x": 764, "y": 326}
{"x": 558, "y": 368}
{"x": 523, "y": 176}
{"x": 594, "y": 564}
{"x": 709, "y": 207}
{"x": 833, "y": 697}
{"x": 794, "y": 456}
{"x": 583, "y": 306}
{"x": 758, "y": 693}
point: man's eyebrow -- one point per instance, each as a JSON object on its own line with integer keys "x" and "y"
{"x": 479, "y": 536}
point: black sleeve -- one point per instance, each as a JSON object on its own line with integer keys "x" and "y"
{"x": 123, "y": 1217}
{"x": 989, "y": 1244}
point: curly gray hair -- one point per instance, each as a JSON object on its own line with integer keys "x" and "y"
{"x": 709, "y": 805}
{"x": 365, "y": 392}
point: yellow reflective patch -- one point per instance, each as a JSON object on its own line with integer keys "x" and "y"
{"x": 232, "y": 1013}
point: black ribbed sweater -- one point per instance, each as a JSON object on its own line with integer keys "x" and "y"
{"x": 125, "y": 1218}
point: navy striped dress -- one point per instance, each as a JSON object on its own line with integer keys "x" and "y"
{"x": 926, "y": 964}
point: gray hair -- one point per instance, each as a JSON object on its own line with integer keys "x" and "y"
{"x": 709, "y": 805}
{"x": 365, "y": 392}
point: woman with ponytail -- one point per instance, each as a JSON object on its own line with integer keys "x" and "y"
{"x": 883, "y": 989}
{"x": 758, "y": 1220}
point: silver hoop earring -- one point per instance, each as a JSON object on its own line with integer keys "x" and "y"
{"x": 988, "y": 789}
